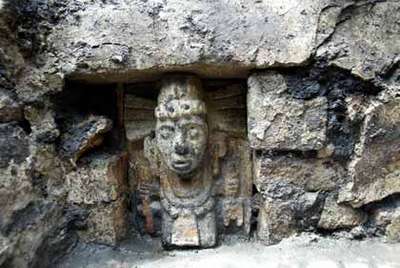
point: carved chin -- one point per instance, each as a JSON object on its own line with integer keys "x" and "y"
{"x": 182, "y": 167}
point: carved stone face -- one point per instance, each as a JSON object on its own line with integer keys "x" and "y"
{"x": 182, "y": 142}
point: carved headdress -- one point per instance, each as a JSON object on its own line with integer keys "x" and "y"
{"x": 180, "y": 99}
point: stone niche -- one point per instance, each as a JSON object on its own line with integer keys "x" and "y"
{"x": 195, "y": 161}
{"x": 190, "y": 163}
{"x": 167, "y": 158}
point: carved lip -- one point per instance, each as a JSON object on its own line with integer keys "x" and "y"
{"x": 182, "y": 165}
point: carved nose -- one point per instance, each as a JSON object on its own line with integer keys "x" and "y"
{"x": 181, "y": 149}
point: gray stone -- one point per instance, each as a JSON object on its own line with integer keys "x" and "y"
{"x": 338, "y": 216}
{"x": 100, "y": 186}
{"x": 283, "y": 215}
{"x": 100, "y": 179}
{"x": 10, "y": 110}
{"x": 276, "y": 121}
{"x": 310, "y": 174}
{"x": 276, "y": 221}
{"x": 366, "y": 43}
{"x": 6, "y": 249}
{"x": 393, "y": 230}
{"x": 106, "y": 223}
{"x": 140, "y": 39}
{"x": 14, "y": 146}
{"x": 374, "y": 170}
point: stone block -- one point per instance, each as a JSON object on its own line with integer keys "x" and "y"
{"x": 114, "y": 38}
{"x": 101, "y": 179}
{"x": 282, "y": 216}
{"x": 106, "y": 223}
{"x": 276, "y": 220}
{"x": 309, "y": 174}
{"x": 375, "y": 168}
{"x": 277, "y": 121}
{"x": 337, "y": 216}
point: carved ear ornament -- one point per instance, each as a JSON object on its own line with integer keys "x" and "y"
{"x": 180, "y": 108}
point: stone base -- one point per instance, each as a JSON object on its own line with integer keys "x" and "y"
{"x": 189, "y": 231}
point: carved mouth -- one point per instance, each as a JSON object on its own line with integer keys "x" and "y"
{"x": 182, "y": 165}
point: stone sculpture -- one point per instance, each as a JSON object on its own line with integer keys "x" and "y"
{"x": 191, "y": 157}
{"x": 186, "y": 182}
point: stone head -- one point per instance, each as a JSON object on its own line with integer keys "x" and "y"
{"x": 181, "y": 130}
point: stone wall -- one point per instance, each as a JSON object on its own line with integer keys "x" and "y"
{"x": 321, "y": 124}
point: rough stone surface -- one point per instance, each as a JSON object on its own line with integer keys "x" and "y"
{"x": 102, "y": 179}
{"x": 335, "y": 63}
{"x": 336, "y": 216}
{"x": 375, "y": 168}
{"x": 100, "y": 186}
{"x": 106, "y": 223}
{"x": 311, "y": 174}
{"x": 285, "y": 211}
{"x": 151, "y": 35}
{"x": 84, "y": 135}
{"x": 393, "y": 230}
{"x": 366, "y": 45}
{"x": 276, "y": 121}
{"x": 10, "y": 110}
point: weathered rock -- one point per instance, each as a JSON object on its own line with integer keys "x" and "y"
{"x": 393, "y": 230}
{"x": 84, "y": 136}
{"x": 101, "y": 178}
{"x": 106, "y": 223}
{"x": 310, "y": 174}
{"x": 42, "y": 123}
{"x": 375, "y": 168}
{"x": 100, "y": 186}
{"x": 338, "y": 216}
{"x": 6, "y": 249}
{"x": 284, "y": 214}
{"x": 366, "y": 41}
{"x": 13, "y": 144}
{"x": 280, "y": 219}
{"x": 275, "y": 222}
{"x": 184, "y": 37}
{"x": 10, "y": 109}
{"x": 276, "y": 121}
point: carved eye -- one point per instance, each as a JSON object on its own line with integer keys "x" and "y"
{"x": 166, "y": 132}
{"x": 193, "y": 133}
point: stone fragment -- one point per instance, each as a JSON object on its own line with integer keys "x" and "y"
{"x": 84, "y": 135}
{"x": 310, "y": 174}
{"x": 375, "y": 168}
{"x": 276, "y": 121}
{"x": 101, "y": 178}
{"x": 356, "y": 106}
{"x": 337, "y": 216}
{"x": 10, "y": 110}
{"x": 393, "y": 230}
